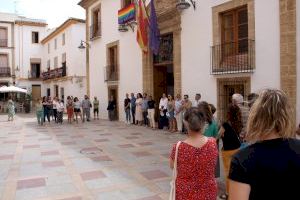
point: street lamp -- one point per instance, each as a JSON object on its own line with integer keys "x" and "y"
{"x": 183, "y": 4}
{"x": 81, "y": 46}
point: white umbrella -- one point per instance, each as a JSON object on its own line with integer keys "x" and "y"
{"x": 5, "y": 89}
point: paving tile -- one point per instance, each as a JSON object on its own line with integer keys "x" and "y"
{"x": 31, "y": 183}
{"x": 32, "y": 146}
{"x": 101, "y": 140}
{"x": 49, "y": 153}
{"x": 136, "y": 133}
{"x": 141, "y": 153}
{"x": 56, "y": 163}
{"x": 7, "y": 157}
{"x": 145, "y": 143}
{"x": 126, "y": 145}
{"x": 132, "y": 137}
{"x": 154, "y": 174}
{"x": 11, "y": 142}
{"x": 92, "y": 175}
{"x": 101, "y": 158}
{"x": 31, "y": 193}
{"x": 72, "y": 198}
{"x": 45, "y": 139}
{"x": 61, "y": 189}
{"x": 69, "y": 143}
{"x": 156, "y": 197}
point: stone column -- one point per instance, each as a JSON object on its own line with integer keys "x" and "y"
{"x": 288, "y": 62}
{"x": 177, "y": 61}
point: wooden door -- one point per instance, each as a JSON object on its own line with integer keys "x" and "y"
{"x": 36, "y": 92}
{"x": 229, "y": 90}
{"x": 113, "y": 91}
{"x": 159, "y": 84}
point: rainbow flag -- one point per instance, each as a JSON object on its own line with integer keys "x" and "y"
{"x": 127, "y": 14}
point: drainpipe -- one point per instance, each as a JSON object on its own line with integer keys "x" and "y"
{"x": 13, "y": 54}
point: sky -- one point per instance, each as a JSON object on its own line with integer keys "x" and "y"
{"x": 55, "y": 12}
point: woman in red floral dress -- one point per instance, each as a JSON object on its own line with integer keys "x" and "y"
{"x": 196, "y": 161}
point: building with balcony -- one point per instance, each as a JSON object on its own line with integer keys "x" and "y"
{"x": 21, "y": 52}
{"x": 218, "y": 48}
{"x": 63, "y": 66}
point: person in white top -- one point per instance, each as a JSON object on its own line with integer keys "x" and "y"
{"x": 60, "y": 111}
{"x": 163, "y": 103}
{"x": 197, "y": 100}
{"x": 178, "y": 112}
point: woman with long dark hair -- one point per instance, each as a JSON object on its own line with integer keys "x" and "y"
{"x": 229, "y": 133}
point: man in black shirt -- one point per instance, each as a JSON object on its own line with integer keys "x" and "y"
{"x": 127, "y": 108}
{"x": 151, "y": 112}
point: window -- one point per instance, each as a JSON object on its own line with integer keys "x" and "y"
{"x": 63, "y": 58}
{"x": 48, "y": 64}
{"x": 35, "y": 70}
{"x": 3, "y": 37}
{"x": 48, "y": 47}
{"x": 63, "y": 39}
{"x": 96, "y": 23}
{"x": 126, "y": 3}
{"x": 55, "y": 44}
{"x": 35, "y": 37}
{"x": 55, "y": 62}
{"x": 235, "y": 30}
{"x": 4, "y": 60}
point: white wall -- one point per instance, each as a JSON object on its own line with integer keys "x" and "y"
{"x": 75, "y": 60}
{"x": 196, "y": 40}
{"x": 298, "y": 62}
{"x": 130, "y": 58}
{"x": 267, "y": 43}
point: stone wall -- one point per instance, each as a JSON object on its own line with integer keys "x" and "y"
{"x": 288, "y": 62}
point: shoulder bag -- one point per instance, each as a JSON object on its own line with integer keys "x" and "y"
{"x": 173, "y": 181}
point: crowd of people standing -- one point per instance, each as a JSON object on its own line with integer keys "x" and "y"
{"x": 260, "y": 152}
{"x": 47, "y": 108}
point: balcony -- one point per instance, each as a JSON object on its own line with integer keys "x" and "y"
{"x": 111, "y": 73}
{"x": 3, "y": 43}
{"x": 5, "y": 72}
{"x": 34, "y": 75}
{"x": 233, "y": 58}
{"x": 54, "y": 73}
{"x": 95, "y": 30}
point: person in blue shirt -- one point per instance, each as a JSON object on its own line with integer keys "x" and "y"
{"x": 133, "y": 107}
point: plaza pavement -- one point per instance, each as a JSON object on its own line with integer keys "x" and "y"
{"x": 99, "y": 160}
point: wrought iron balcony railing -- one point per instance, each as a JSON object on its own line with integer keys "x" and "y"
{"x": 33, "y": 75}
{"x": 233, "y": 57}
{"x": 5, "y": 72}
{"x": 3, "y": 43}
{"x": 111, "y": 73}
{"x": 95, "y": 30}
{"x": 54, "y": 73}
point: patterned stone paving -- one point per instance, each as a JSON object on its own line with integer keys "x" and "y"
{"x": 99, "y": 160}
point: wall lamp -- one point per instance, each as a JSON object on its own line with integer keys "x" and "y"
{"x": 183, "y": 4}
{"x": 81, "y": 46}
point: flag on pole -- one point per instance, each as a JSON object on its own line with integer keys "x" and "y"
{"x": 142, "y": 27}
{"x": 154, "y": 30}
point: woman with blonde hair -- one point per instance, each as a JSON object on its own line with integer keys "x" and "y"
{"x": 270, "y": 167}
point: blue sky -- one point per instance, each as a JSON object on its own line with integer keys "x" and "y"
{"x": 54, "y": 12}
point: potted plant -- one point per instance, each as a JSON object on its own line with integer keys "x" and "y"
{"x": 27, "y": 103}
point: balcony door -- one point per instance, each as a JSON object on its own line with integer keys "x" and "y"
{"x": 3, "y": 37}
{"x": 112, "y": 68}
{"x": 235, "y": 31}
{"x": 35, "y": 70}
